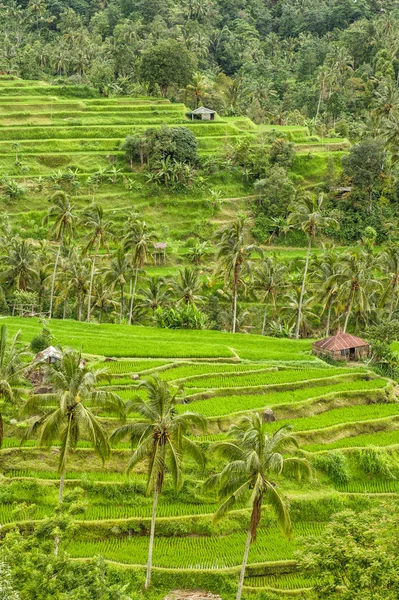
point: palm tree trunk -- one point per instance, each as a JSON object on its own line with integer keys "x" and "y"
{"x": 235, "y": 293}
{"x": 121, "y": 305}
{"x": 152, "y": 535}
{"x": 57, "y": 258}
{"x": 298, "y": 322}
{"x": 132, "y": 297}
{"x": 348, "y": 313}
{"x": 318, "y": 104}
{"x": 328, "y": 320}
{"x": 264, "y": 319}
{"x": 60, "y": 499}
{"x": 244, "y": 565}
{"x": 91, "y": 284}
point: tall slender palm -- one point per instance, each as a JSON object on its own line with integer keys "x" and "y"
{"x": 389, "y": 263}
{"x": 11, "y": 370}
{"x": 269, "y": 281}
{"x": 65, "y": 414}
{"x": 159, "y": 437}
{"x": 73, "y": 280}
{"x": 138, "y": 239}
{"x": 309, "y": 214}
{"x": 61, "y": 211}
{"x": 357, "y": 282}
{"x": 187, "y": 286}
{"x": 117, "y": 275}
{"x": 326, "y": 278}
{"x": 98, "y": 237}
{"x": 254, "y": 455}
{"x": 234, "y": 254}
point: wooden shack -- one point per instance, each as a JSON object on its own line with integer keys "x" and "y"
{"x": 204, "y": 114}
{"x": 342, "y": 346}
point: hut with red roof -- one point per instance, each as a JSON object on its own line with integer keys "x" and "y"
{"x": 342, "y": 346}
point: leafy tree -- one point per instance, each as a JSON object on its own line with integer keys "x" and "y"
{"x": 161, "y": 439}
{"x": 166, "y": 64}
{"x": 254, "y": 457}
{"x": 355, "y": 558}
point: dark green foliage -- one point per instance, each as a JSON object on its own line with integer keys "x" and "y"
{"x": 168, "y": 63}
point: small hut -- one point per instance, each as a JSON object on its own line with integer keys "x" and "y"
{"x": 342, "y": 346}
{"x": 159, "y": 253}
{"x": 204, "y": 114}
{"x": 49, "y": 355}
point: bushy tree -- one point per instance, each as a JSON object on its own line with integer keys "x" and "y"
{"x": 166, "y": 64}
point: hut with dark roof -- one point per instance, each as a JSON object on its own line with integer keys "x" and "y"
{"x": 342, "y": 346}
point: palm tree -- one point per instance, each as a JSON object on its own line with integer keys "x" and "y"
{"x": 254, "y": 456}
{"x": 20, "y": 264}
{"x": 326, "y": 275}
{"x": 117, "y": 275}
{"x": 11, "y": 369}
{"x": 188, "y": 287}
{"x": 64, "y": 223}
{"x": 269, "y": 280}
{"x": 73, "y": 280}
{"x": 65, "y": 414}
{"x": 233, "y": 254}
{"x": 389, "y": 263}
{"x": 138, "y": 238}
{"x": 309, "y": 214}
{"x": 356, "y": 284}
{"x": 156, "y": 293}
{"x": 160, "y": 439}
{"x": 98, "y": 237}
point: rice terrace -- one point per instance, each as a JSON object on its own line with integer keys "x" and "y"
{"x": 199, "y": 300}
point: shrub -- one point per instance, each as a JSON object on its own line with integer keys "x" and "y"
{"x": 375, "y": 462}
{"x": 187, "y": 317}
{"x": 334, "y": 465}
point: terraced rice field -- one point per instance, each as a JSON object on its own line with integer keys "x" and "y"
{"x": 223, "y": 377}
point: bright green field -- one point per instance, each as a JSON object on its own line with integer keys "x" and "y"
{"x": 223, "y": 376}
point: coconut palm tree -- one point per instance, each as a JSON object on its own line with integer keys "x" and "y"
{"x": 159, "y": 437}
{"x": 156, "y": 293}
{"x": 61, "y": 212}
{"x": 269, "y": 281}
{"x": 234, "y": 254}
{"x": 65, "y": 414}
{"x": 11, "y": 370}
{"x": 117, "y": 275}
{"x": 254, "y": 456}
{"x": 20, "y": 265}
{"x": 389, "y": 263}
{"x": 308, "y": 213}
{"x": 138, "y": 239}
{"x": 326, "y": 277}
{"x": 356, "y": 284}
{"x": 98, "y": 237}
{"x": 187, "y": 287}
{"x": 73, "y": 280}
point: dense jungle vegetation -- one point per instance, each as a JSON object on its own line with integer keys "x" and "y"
{"x": 162, "y": 448}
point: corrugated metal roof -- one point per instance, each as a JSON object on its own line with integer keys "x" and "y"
{"x": 341, "y": 341}
{"x": 202, "y": 110}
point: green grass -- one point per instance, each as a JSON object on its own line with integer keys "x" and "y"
{"x": 212, "y": 552}
{"x": 224, "y": 405}
{"x": 145, "y": 342}
{"x": 286, "y": 581}
{"x": 380, "y": 438}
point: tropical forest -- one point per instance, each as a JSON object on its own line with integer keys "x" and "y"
{"x": 199, "y": 299}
